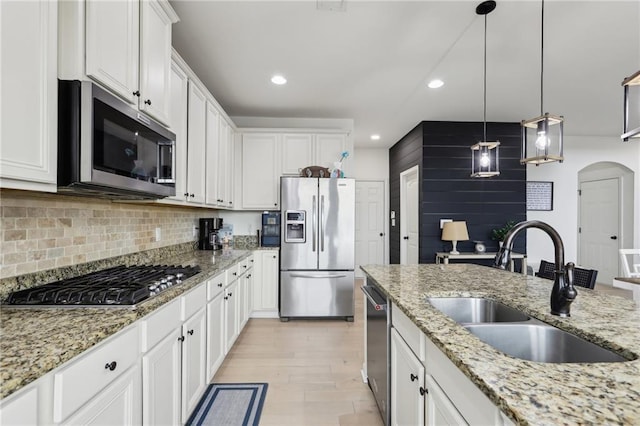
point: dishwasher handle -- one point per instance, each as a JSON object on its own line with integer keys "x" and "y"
{"x": 372, "y": 295}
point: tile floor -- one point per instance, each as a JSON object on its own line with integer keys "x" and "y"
{"x": 312, "y": 367}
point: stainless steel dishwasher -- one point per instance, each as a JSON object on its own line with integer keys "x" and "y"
{"x": 378, "y": 322}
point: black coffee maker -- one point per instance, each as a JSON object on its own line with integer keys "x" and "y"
{"x": 208, "y": 238}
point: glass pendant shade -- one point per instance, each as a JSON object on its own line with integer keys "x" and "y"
{"x": 485, "y": 159}
{"x": 542, "y": 140}
{"x": 631, "y": 115}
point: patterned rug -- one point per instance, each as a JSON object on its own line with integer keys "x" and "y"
{"x": 230, "y": 404}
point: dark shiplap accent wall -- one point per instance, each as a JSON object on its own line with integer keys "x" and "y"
{"x": 447, "y": 190}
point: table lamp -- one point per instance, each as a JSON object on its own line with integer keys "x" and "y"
{"x": 454, "y": 232}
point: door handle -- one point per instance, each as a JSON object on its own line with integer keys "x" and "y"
{"x": 614, "y": 237}
{"x": 322, "y": 223}
{"x": 313, "y": 225}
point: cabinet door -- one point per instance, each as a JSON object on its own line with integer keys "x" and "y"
{"x": 407, "y": 384}
{"x": 297, "y": 153}
{"x": 193, "y": 362}
{"x": 196, "y": 145}
{"x": 215, "y": 334}
{"x": 260, "y": 171}
{"x": 269, "y": 275}
{"x": 117, "y": 404}
{"x": 161, "y": 373}
{"x": 212, "y": 171}
{"x": 231, "y": 315}
{"x": 230, "y": 169}
{"x": 21, "y": 408}
{"x": 178, "y": 124}
{"x": 29, "y": 101}
{"x": 112, "y": 34}
{"x": 155, "y": 60}
{"x": 329, "y": 149}
{"x": 439, "y": 410}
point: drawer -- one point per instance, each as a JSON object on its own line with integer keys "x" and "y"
{"x": 243, "y": 266}
{"x": 154, "y": 327}
{"x": 232, "y": 273}
{"x": 83, "y": 378}
{"x": 409, "y": 331}
{"x": 193, "y": 301}
{"x": 216, "y": 284}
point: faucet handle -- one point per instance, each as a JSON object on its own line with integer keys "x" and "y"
{"x": 570, "y": 273}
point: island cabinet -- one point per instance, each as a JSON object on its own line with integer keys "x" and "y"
{"x": 427, "y": 388}
{"x": 29, "y": 102}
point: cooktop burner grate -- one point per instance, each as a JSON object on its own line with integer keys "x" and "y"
{"x": 118, "y": 286}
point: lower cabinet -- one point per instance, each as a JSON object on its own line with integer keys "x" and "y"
{"x": 231, "y": 315}
{"x": 439, "y": 409}
{"x": 21, "y": 409}
{"x": 407, "y": 384}
{"x": 193, "y": 362}
{"x": 265, "y": 284}
{"x": 117, "y": 404}
{"x": 215, "y": 334}
{"x": 161, "y": 384}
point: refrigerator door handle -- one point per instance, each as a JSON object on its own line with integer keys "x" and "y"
{"x": 322, "y": 223}
{"x": 317, "y": 276}
{"x": 313, "y": 224}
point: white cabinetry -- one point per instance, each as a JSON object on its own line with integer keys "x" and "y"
{"x": 21, "y": 409}
{"x": 298, "y": 151}
{"x": 213, "y": 148}
{"x": 29, "y": 101}
{"x": 215, "y": 323}
{"x": 407, "y": 384}
{"x": 231, "y": 315}
{"x": 179, "y": 101}
{"x": 128, "y": 49}
{"x": 195, "y": 192}
{"x": 265, "y": 283}
{"x": 441, "y": 411}
{"x": 92, "y": 376}
{"x": 329, "y": 148}
{"x": 194, "y": 357}
{"x": 260, "y": 171}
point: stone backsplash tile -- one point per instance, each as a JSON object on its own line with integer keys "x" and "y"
{"x": 41, "y": 231}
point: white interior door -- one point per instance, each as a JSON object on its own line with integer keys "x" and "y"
{"x": 409, "y": 211}
{"x": 369, "y": 224}
{"x": 600, "y": 227}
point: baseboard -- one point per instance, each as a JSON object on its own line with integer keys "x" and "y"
{"x": 264, "y": 314}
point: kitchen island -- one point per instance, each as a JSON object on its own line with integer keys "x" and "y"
{"x": 527, "y": 392}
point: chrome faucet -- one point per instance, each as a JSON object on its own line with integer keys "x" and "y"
{"x": 563, "y": 292}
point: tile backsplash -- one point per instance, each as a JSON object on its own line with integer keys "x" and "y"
{"x": 41, "y": 231}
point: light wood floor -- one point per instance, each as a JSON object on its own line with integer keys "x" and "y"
{"x": 312, "y": 368}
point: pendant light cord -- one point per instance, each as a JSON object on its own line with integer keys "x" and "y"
{"x": 542, "y": 60}
{"x": 485, "y": 79}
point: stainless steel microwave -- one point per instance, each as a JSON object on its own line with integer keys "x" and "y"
{"x": 109, "y": 149}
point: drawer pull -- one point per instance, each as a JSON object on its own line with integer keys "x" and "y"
{"x": 190, "y": 332}
{"x": 414, "y": 377}
{"x": 423, "y": 390}
{"x": 235, "y": 273}
{"x": 110, "y": 365}
{"x": 219, "y": 284}
{"x": 181, "y": 339}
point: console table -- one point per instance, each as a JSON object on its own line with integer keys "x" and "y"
{"x": 445, "y": 256}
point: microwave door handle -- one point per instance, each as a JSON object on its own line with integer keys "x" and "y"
{"x": 322, "y": 223}
{"x": 313, "y": 224}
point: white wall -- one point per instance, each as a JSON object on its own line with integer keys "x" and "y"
{"x": 580, "y": 152}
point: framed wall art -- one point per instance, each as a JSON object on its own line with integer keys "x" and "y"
{"x": 539, "y": 195}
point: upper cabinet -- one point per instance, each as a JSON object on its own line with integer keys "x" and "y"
{"x": 125, "y": 45}
{"x": 179, "y": 96}
{"x": 29, "y": 101}
{"x": 196, "y": 146}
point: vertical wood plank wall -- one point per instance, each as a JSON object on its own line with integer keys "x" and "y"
{"x": 441, "y": 149}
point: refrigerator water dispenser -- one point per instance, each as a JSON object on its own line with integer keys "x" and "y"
{"x": 294, "y": 226}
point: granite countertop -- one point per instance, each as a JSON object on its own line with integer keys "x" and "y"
{"x": 35, "y": 341}
{"x": 527, "y": 392}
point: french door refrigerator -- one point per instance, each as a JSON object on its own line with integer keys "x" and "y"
{"x": 317, "y": 247}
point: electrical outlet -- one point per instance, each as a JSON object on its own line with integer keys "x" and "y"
{"x": 158, "y": 234}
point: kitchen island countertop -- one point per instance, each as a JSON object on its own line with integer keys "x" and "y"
{"x": 34, "y": 341}
{"x": 527, "y": 392}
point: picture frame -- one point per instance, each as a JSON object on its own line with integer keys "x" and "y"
{"x": 539, "y": 195}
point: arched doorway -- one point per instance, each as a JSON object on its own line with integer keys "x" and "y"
{"x": 605, "y": 217}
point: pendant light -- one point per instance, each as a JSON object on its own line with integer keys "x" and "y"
{"x": 631, "y": 114}
{"x": 542, "y": 136}
{"x": 485, "y": 155}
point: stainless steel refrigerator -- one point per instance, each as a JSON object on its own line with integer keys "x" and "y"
{"x": 317, "y": 247}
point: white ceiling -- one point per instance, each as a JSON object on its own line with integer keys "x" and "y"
{"x": 371, "y": 62}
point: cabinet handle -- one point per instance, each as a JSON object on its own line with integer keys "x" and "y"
{"x": 274, "y": 256}
{"x": 230, "y": 294}
{"x": 181, "y": 339}
{"x": 226, "y": 298}
{"x": 186, "y": 194}
{"x": 191, "y": 195}
{"x": 413, "y": 377}
{"x": 219, "y": 284}
{"x": 190, "y": 332}
{"x": 406, "y": 237}
{"x": 244, "y": 266}
{"x": 249, "y": 276}
{"x": 275, "y": 204}
{"x": 423, "y": 391}
{"x": 136, "y": 93}
{"x": 235, "y": 273}
{"x": 148, "y": 102}
{"x": 110, "y": 365}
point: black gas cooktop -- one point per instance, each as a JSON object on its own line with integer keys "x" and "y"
{"x": 122, "y": 286}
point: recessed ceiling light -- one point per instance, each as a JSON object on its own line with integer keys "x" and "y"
{"x": 278, "y": 79}
{"x": 375, "y": 137}
{"x": 434, "y": 84}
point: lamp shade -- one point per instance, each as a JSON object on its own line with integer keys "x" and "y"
{"x": 455, "y": 231}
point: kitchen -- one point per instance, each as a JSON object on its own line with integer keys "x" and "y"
{"x": 53, "y": 231}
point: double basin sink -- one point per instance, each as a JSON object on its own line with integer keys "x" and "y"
{"x": 515, "y": 333}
